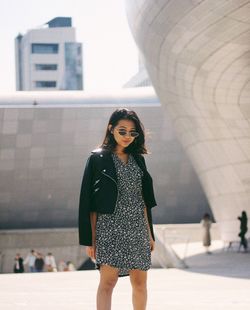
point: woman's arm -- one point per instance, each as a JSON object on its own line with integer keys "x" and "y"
{"x": 93, "y": 218}
{"x": 152, "y": 242}
{"x": 91, "y": 250}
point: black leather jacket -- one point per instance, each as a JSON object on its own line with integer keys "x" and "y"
{"x": 99, "y": 191}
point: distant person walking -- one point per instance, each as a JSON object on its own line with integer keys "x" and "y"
{"x": 39, "y": 263}
{"x": 18, "y": 266}
{"x": 50, "y": 263}
{"x": 30, "y": 260}
{"x": 243, "y": 230}
{"x": 206, "y": 239}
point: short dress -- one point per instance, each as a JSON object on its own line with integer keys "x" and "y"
{"x": 122, "y": 238}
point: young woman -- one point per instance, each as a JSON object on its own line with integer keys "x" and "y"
{"x": 115, "y": 221}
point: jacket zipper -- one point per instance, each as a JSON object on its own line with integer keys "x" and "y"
{"x": 115, "y": 184}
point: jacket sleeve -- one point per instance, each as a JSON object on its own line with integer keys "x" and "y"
{"x": 149, "y": 211}
{"x": 149, "y": 187}
{"x": 84, "y": 224}
{"x": 150, "y": 221}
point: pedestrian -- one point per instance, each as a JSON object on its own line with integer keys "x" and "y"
{"x": 115, "y": 220}
{"x": 30, "y": 260}
{"x": 50, "y": 263}
{"x": 18, "y": 266}
{"x": 62, "y": 266}
{"x": 70, "y": 266}
{"x": 39, "y": 263}
{"x": 206, "y": 224}
{"x": 243, "y": 230}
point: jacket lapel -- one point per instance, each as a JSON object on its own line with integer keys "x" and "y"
{"x": 140, "y": 163}
{"x": 109, "y": 165}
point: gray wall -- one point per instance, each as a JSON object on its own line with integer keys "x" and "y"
{"x": 43, "y": 150}
{"x": 64, "y": 245}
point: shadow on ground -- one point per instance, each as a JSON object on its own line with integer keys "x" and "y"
{"x": 221, "y": 263}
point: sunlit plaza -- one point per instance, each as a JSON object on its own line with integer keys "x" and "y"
{"x": 216, "y": 281}
{"x": 194, "y": 62}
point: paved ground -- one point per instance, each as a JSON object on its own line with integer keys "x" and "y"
{"x": 216, "y": 281}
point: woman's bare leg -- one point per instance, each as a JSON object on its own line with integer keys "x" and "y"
{"x": 138, "y": 279}
{"x": 108, "y": 279}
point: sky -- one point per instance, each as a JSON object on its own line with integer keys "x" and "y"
{"x": 110, "y": 53}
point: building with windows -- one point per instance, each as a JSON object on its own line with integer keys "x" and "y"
{"x": 49, "y": 58}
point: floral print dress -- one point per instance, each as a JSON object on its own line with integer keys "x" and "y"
{"x": 122, "y": 238}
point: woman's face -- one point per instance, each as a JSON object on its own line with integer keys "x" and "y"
{"x": 123, "y": 126}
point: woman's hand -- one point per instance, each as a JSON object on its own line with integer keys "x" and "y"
{"x": 152, "y": 244}
{"x": 91, "y": 251}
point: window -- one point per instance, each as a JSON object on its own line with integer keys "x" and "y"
{"x": 46, "y": 67}
{"x": 45, "y": 84}
{"x": 79, "y": 50}
{"x": 43, "y": 48}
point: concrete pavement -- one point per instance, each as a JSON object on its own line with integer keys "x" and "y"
{"x": 214, "y": 282}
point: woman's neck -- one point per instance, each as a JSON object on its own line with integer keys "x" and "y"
{"x": 119, "y": 150}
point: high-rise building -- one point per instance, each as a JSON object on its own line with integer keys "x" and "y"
{"x": 49, "y": 58}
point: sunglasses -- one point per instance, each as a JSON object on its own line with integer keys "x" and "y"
{"x": 123, "y": 132}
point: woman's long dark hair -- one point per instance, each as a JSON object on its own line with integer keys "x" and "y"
{"x": 138, "y": 145}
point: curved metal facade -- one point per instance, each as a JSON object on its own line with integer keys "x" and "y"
{"x": 198, "y": 57}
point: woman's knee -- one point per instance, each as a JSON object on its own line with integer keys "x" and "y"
{"x": 109, "y": 277}
{"x": 139, "y": 285}
{"x": 138, "y": 281}
{"x": 108, "y": 284}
